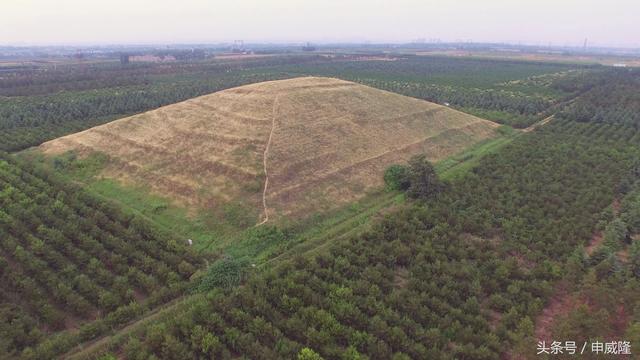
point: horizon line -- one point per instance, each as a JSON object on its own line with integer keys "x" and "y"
{"x": 535, "y": 44}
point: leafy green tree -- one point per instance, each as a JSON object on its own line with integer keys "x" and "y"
{"x": 576, "y": 265}
{"x": 174, "y": 349}
{"x": 351, "y": 353}
{"x": 210, "y": 344}
{"x": 134, "y": 350}
{"x": 582, "y": 324}
{"x": 423, "y": 180}
{"x": 224, "y": 273}
{"x": 616, "y": 233}
{"x": 396, "y": 177}
{"x": 631, "y": 212}
{"x": 308, "y": 354}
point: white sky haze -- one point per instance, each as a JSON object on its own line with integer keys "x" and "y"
{"x": 560, "y": 22}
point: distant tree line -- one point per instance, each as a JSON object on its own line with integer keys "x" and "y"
{"x": 30, "y": 121}
{"x": 485, "y": 87}
{"x": 46, "y": 103}
{"x": 80, "y": 77}
{"x": 611, "y": 97}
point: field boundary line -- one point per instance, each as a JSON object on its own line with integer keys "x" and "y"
{"x": 538, "y": 124}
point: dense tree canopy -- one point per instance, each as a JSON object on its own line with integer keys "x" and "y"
{"x": 611, "y": 97}
{"x": 67, "y": 257}
{"x": 461, "y": 276}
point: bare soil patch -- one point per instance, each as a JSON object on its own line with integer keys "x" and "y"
{"x": 401, "y": 278}
{"x": 596, "y": 240}
{"x": 560, "y": 304}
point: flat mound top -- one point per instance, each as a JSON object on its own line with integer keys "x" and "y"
{"x": 277, "y": 148}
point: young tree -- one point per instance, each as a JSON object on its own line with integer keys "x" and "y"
{"x": 615, "y": 233}
{"x": 308, "y": 354}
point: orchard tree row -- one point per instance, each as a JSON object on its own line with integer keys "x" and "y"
{"x": 611, "y": 97}
{"x": 67, "y": 257}
{"x": 48, "y": 79}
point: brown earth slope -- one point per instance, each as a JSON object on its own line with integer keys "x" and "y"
{"x": 323, "y": 142}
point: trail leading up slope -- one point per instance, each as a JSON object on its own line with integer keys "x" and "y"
{"x": 264, "y": 160}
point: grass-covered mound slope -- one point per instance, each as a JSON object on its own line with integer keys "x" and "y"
{"x": 281, "y": 148}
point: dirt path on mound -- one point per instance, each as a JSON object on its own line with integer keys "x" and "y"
{"x": 264, "y": 161}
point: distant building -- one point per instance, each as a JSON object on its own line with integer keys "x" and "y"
{"x": 308, "y": 47}
{"x": 124, "y": 59}
{"x": 152, "y": 58}
{"x": 620, "y": 65}
{"x": 238, "y": 47}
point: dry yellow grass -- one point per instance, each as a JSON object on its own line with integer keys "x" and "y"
{"x": 323, "y": 142}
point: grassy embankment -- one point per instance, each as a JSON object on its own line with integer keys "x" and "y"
{"x": 233, "y": 237}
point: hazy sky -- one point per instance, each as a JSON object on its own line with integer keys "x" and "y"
{"x": 611, "y": 22}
